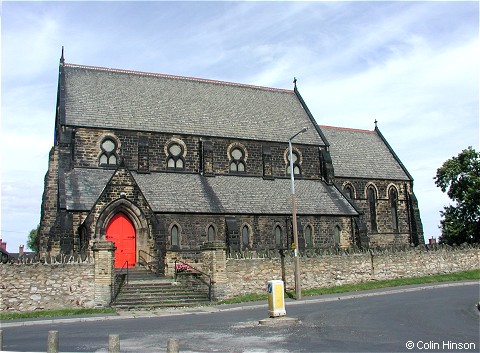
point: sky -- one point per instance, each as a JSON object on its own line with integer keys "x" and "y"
{"x": 413, "y": 66}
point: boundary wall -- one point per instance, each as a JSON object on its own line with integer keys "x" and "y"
{"x": 40, "y": 286}
{"x": 59, "y": 282}
{"x": 250, "y": 275}
{"x": 31, "y": 286}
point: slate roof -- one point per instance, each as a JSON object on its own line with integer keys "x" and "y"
{"x": 84, "y": 186}
{"x": 362, "y": 154}
{"x": 193, "y": 193}
{"x": 120, "y": 99}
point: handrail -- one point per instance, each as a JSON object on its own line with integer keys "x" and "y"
{"x": 196, "y": 270}
{"x": 125, "y": 265}
{"x": 149, "y": 264}
{"x": 118, "y": 282}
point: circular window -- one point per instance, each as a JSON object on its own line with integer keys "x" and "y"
{"x": 237, "y": 153}
{"x": 175, "y": 149}
{"x": 108, "y": 145}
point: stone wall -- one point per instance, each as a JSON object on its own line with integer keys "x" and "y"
{"x": 409, "y": 226}
{"x": 245, "y": 276}
{"x": 39, "y": 286}
{"x": 152, "y": 149}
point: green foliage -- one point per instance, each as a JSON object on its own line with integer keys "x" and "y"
{"x": 460, "y": 178}
{"x": 32, "y": 242}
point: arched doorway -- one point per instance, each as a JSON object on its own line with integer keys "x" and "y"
{"x": 121, "y": 231}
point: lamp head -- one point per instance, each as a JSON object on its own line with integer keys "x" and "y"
{"x": 298, "y": 133}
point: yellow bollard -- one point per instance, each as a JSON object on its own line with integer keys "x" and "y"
{"x": 276, "y": 301}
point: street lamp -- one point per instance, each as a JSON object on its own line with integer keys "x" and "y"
{"x": 298, "y": 289}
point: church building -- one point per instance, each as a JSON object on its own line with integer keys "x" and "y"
{"x": 163, "y": 165}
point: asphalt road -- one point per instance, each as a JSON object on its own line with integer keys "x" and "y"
{"x": 436, "y": 318}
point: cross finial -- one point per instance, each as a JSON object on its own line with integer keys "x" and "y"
{"x": 295, "y": 81}
{"x": 375, "y": 123}
{"x": 62, "y": 58}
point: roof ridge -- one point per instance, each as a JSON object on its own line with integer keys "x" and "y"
{"x": 204, "y": 80}
{"x": 346, "y": 129}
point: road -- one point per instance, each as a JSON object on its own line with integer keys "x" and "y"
{"x": 430, "y": 318}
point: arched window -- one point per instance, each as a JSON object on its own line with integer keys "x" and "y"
{"x": 175, "y": 236}
{"x": 372, "y": 205}
{"x": 108, "y": 154}
{"x": 308, "y": 233}
{"x": 237, "y": 160}
{"x": 348, "y": 189}
{"x": 278, "y": 235}
{"x": 245, "y": 237}
{"x": 296, "y": 163}
{"x": 393, "y": 198}
{"x": 211, "y": 233}
{"x": 175, "y": 154}
{"x": 336, "y": 235}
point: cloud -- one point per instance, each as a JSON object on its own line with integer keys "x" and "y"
{"x": 413, "y": 66}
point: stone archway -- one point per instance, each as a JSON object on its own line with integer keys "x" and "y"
{"x": 135, "y": 216}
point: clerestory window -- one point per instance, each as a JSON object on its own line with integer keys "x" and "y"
{"x": 175, "y": 154}
{"x": 295, "y": 162}
{"x": 108, "y": 154}
{"x": 237, "y": 160}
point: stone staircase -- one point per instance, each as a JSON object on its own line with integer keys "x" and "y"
{"x": 146, "y": 291}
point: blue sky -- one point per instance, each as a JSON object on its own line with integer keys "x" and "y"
{"x": 413, "y": 66}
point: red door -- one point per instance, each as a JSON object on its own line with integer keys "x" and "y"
{"x": 121, "y": 231}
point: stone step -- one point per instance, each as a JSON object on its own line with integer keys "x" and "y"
{"x": 138, "y": 306}
{"x": 161, "y": 291}
{"x": 145, "y": 290}
{"x": 141, "y": 274}
{"x": 160, "y": 302}
{"x": 160, "y": 284}
{"x": 152, "y": 299}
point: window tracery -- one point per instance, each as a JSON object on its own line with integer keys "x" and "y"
{"x": 108, "y": 152}
{"x": 237, "y": 160}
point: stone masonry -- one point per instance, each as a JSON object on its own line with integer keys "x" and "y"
{"x": 30, "y": 287}
{"x": 251, "y": 275}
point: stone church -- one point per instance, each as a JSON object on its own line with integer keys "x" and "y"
{"x": 163, "y": 165}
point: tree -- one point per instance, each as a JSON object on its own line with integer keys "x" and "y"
{"x": 32, "y": 242}
{"x": 460, "y": 178}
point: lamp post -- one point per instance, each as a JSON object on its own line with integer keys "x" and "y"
{"x": 298, "y": 289}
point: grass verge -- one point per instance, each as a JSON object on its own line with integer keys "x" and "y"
{"x": 458, "y": 276}
{"x": 51, "y": 313}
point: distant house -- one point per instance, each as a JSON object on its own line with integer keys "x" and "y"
{"x": 161, "y": 164}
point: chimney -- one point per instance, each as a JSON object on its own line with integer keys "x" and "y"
{"x": 3, "y": 245}
{"x": 20, "y": 250}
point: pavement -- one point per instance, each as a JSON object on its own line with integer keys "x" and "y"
{"x": 128, "y": 315}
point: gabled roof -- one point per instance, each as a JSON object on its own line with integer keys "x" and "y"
{"x": 84, "y": 186}
{"x": 363, "y": 154}
{"x": 194, "y": 193}
{"x": 131, "y": 100}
